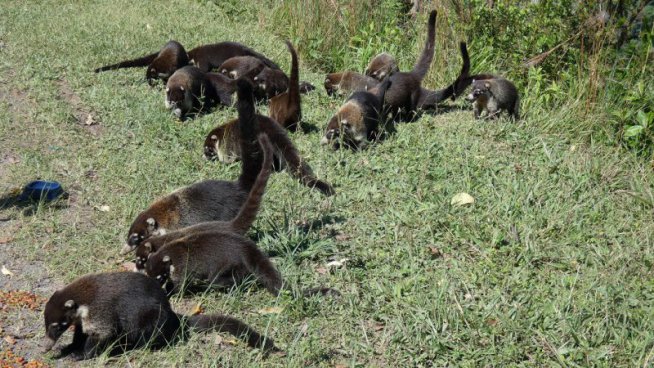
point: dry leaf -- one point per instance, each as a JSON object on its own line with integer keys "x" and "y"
{"x": 322, "y": 270}
{"x": 103, "y": 208}
{"x": 435, "y": 252}
{"x": 336, "y": 263}
{"x": 491, "y": 322}
{"x": 270, "y": 310}
{"x": 218, "y": 340}
{"x": 461, "y": 199}
{"x": 90, "y": 120}
{"x": 230, "y": 341}
{"x": 304, "y": 329}
{"x": 342, "y": 237}
{"x": 6, "y": 239}
{"x": 378, "y": 326}
{"x": 129, "y": 266}
{"x": 197, "y": 310}
{"x": 5, "y": 271}
{"x": 10, "y": 340}
{"x": 11, "y": 159}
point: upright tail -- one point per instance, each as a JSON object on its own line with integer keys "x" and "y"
{"x": 248, "y": 213}
{"x": 430, "y": 99}
{"x": 298, "y": 168}
{"x": 294, "y": 80}
{"x": 248, "y": 126}
{"x": 381, "y": 93}
{"x": 222, "y": 323}
{"x": 422, "y": 65}
{"x": 133, "y": 63}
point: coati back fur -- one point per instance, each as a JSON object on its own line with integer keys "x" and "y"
{"x": 348, "y": 82}
{"x": 286, "y": 108}
{"x": 238, "y": 225}
{"x": 271, "y": 82}
{"x": 404, "y": 94}
{"x": 494, "y": 96}
{"x": 209, "y": 200}
{"x": 209, "y": 57}
{"x": 357, "y": 121}
{"x": 381, "y": 66}
{"x": 221, "y": 139}
{"x": 241, "y": 66}
{"x": 191, "y": 91}
{"x": 130, "y": 310}
{"x": 160, "y": 65}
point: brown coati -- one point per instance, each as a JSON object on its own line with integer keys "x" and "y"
{"x": 286, "y": 108}
{"x": 219, "y": 143}
{"x": 494, "y": 96}
{"x": 160, "y": 65}
{"x": 403, "y": 96}
{"x": 191, "y": 91}
{"x": 127, "y": 310}
{"x": 270, "y": 82}
{"x": 357, "y": 121}
{"x": 209, "y": 200}
{"x": 242, "y": 66}
{"x": 238, "y": 225}
{"x": 172, "y": 57}
{"x": 381, "y": 66}
{"x": 348, "y": 82}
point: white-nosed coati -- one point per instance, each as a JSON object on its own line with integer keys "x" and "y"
{"x": 209, "y": 200}
{"x": 348, "y": 82}
{"x": 242, "y": 66}
{"x": 172, "y": 56}
{"x": 381, "y": 66}
{"x": 286, "y": 108}
{"x": 161, "y": 65}
{"x": 239, "y": 224}
{"x": 191, "y": 91}
{"x": 357, "y": 121}
{"x": 494, "y": 96}
{"x": 127, "y": 310}
{"x": 220, "y": 143}
{"x": 403, "y": 96}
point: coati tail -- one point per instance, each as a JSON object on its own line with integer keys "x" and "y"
{"x": 259, "y": 264}
{"x": 294, "y": 80}
{"x": 422, "y": 65}
{"x": 247, "y": 122}
{"x": 381, "y": 94}
{"x": 221, "y": 323}
{"x": 133, "y": 63}
{"x": 298, "y": 168}
{"x": 248, "y": 213}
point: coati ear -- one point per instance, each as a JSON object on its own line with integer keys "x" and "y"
{"x": 473, "y": 81}
{"x": 70, "y": 304}
{"x": 182, "y": 88}
{"x": 214, "y": 137}
{"x": 163, "y": 75}
{"x": 166, "y": 259}
{"x": 152, "y": 223}
{"x": 148, "y": 246}
{"x": 487, "y": 85}
{"x": 167, "y": 89}
{"x": 256, "y": 78}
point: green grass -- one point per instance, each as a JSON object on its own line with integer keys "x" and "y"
{"x": 551, "y": 266}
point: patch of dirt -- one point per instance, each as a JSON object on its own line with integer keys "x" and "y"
{"x": 83, "y": 114}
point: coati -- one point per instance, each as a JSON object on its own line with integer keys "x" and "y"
{"x": 357, "y": 121}
{"x": 348, "y": 82}
{"x": 271, "y": 82}
{"x": 172, "y": 57}
{"x": 190, "y": 90}
{"x": 381, "y": 66}
{"x": 209, "y": 200}
{"x": 160, "y": 65}
{"x": 238, "y": 225}
{"x": 220, "y": 143}
{"x": 494, "y": 96}
{"x": 131, "y": 310}
{"x": 242, "y": 66}
{"x": 286, "y": 108}
{"x": 404, "y": 93}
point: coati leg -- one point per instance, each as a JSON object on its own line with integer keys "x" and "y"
{"x": 257, "y": 263}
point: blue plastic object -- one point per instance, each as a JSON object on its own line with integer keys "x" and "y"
{"x": 42, "y": 190}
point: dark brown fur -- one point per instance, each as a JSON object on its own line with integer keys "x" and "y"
{"x": 348, "y": 82}
{"x": 271, "y": 82}
{"x": 381, "y": 66}
{"x": 238, "y": 225}
{"x": 209, "y": 57}
{"x": 129, "y": 310}
{"x": 209, "y": 200}
{"x": 191, "y": 91}
{"x": 286, "y": 108}
{"x": 404, "y": 94}
{"x": 160, "y": 65}
{"x": 241, "y": 66}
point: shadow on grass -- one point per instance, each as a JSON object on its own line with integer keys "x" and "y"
{"x": 30, "y": 206}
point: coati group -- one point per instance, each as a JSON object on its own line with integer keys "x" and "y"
{"x": 196, "y": 235}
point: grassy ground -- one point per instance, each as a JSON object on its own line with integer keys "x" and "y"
{"x": 551, "y": 266}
